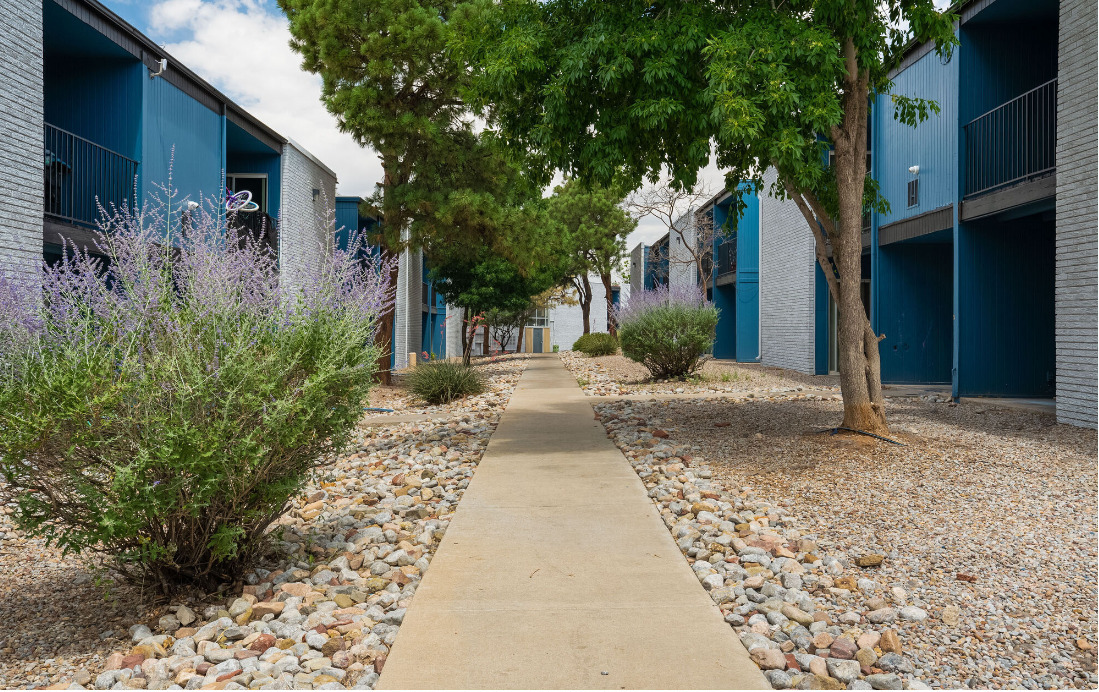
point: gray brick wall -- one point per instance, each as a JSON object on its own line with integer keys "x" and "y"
{"x": 682, "y": 269}
{"x": 1077, "y": 231}
{"x": 409, "y": 309}
{"x": 21, "y": 136}
{"x": 787, "y": 285}
{"x": 567, "y": 321}
{"x": 307, "y": 224}
{"x": 453, "y": 331}
{"x": 637, "y": 269}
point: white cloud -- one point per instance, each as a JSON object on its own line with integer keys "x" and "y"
{"x": 242, "y": 48}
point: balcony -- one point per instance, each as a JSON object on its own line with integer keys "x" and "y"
{"x": 81, "y": 176}
{"x": 726, "y": 258}
{"x": 1013, "y": 143}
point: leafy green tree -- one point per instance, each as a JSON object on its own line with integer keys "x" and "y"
{"x": 628, "y": 88}
{"x": 486, "y": 282}
{"x": 392, "y": 83}
{"x": 591, "y": 231}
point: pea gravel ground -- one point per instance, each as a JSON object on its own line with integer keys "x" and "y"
{"x": 616, "y": 375}
{"x": 988, "y": 510}
{"x": 61, "y": 617}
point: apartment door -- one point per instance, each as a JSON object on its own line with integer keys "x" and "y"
{"x": 537, "y": 339}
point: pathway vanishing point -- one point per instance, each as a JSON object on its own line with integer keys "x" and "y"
{"x": 557, "y": 571}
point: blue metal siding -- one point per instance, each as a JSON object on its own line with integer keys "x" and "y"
{"x": 174, "y": 119}
{"x": 1006, "y": 312}
{"x": 747, "y": 279}
{"x": 737, "y": 334}
{"x": 725, "y": 296}
{"x": 915, "y": 311}
{"x": 98, "y": 99}
{"x": 347, "y": 220}
{"x": 1000, "y": 61}
{"x": 820, "y": 332}
{"x": 932, "y": 145}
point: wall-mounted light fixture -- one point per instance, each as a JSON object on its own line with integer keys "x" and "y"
{"x": 162, "y": 65}
{"x": 914, "y": 170}
{"x": 316, "y": 194}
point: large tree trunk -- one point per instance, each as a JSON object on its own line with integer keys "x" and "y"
{"x": 859, "y": 362}
{"x": 519, "y": 341}
{"x": 612, "y": 328}
{"x": 383, "y": 338}
{"x": 583, "y": 291}
{"x": 467, "y": 338}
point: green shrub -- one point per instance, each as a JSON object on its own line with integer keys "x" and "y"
{"x": 596, "y": 344}
{"x": 163, "y": 408}
{"x": 444, "y": 381}
{"x": 667, "y": 332}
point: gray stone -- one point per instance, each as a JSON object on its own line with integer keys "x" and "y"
{"x": 913, "y": 614}
{"x": 844, "y": 671}
{"x": 139, "y": 632}
{"x": 779, "y": 679}
{"x": 885, "y": 681}
{"x": 895, "y": 663}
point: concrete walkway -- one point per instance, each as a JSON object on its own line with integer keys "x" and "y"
{"x": 557, "y": 572}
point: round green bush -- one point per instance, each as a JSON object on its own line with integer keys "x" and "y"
{"x": 667, "y": 334}
{"x": 444, "y": 381}
{"x": 596, "y": 344}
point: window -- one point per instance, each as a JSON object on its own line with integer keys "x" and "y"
{"x": 540, "y": 318}
{"x": 913, "y": 192}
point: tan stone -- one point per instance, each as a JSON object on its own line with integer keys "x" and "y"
{"x": 297, "y": 589}
{"x": 951, "y": 615}
{"x": 267, "y": 608}
{"x": 890, "y": 642}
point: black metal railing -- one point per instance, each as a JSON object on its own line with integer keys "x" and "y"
{"x": 726, "y": 258}
{"x": 257, "y": 226}
{"x": 81, "y": 175}
{"x": 1013, "y": 142}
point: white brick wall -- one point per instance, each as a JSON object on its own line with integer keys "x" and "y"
{"x": 682, "y": 269}
{"x": 637, "y": 269}
{"x": 307, "y": 224}
{"x": 787, "y": 285}
{"x": 409, "y": 310}
{"x": 453, "y": 331}
{"x": 1076, "y": 279}
{"x": 21, "y": 186}
{"x": 567, "y": 321}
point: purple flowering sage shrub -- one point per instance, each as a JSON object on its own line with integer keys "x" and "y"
{"x": 163, "y": 397}
{"x": 667, "y": 329}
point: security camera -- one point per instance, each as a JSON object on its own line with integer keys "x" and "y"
{"x": 914, "y": 170}
{"x": 192, "y": 205}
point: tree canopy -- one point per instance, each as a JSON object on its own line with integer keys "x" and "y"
{"x": 630, "y": 89}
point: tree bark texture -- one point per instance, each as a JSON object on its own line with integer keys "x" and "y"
{"x": 583, "y": 291}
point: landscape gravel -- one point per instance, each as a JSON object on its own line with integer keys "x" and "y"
{"x": 618, "y": 375}
{"x": 964, "y": 559}
{"x": 322, "y": 614}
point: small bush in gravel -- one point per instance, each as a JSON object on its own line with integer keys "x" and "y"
{"x": 163, "y": 406}
{"x": 444, "y": 381}
{"x": 596, "y": 344}
{"x": 667, "y": 330}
